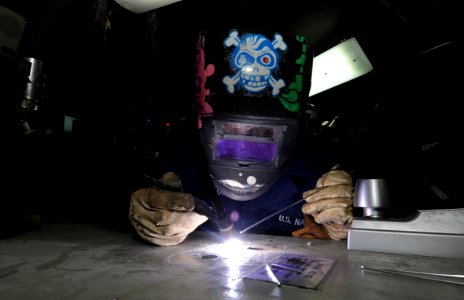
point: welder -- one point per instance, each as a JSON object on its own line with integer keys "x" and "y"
{"x": 252, "y": 90}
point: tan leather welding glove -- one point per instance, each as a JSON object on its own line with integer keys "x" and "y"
{"x": 330, "y": 205}
{"x": 163, "y": 217}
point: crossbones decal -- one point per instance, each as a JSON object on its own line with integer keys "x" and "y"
{"x": 254, "y": 58}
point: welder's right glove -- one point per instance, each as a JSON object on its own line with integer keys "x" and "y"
{"x": 164, "y": 216}
{"x": 329, "y": 205}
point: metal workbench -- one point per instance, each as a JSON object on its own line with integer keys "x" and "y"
{"x": 76, "y": 261}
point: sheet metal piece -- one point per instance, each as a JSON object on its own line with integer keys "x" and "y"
{"x": 298, "y": 270}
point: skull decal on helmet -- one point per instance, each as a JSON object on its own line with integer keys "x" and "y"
{"x": 254, "y": 59}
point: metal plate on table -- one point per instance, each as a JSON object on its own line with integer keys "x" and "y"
{"x": 299, "y": 270}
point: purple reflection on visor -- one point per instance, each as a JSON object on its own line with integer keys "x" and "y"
{"x": 245, "y": 150}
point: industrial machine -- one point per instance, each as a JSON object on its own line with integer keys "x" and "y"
{"x": 432, "y": 232}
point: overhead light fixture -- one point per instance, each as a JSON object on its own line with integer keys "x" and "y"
{"x": 141, "y": 6}
{"x": 11, "y": 29}
{"x": 344, "y": 62}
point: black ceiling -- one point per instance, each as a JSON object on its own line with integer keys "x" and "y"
{"x": 410, "y": 98}
{"x": 414, "y": 41}
{"x": 416, "y": 25}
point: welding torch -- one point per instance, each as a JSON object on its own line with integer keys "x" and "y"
{"x": 215, "y": 213}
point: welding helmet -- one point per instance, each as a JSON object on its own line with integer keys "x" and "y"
{"x": 251, "y": 87}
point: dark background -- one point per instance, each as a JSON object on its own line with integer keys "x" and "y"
{"x": 399, "y": 121}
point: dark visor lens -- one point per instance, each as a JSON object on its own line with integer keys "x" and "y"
{"x": 245, "y": 150}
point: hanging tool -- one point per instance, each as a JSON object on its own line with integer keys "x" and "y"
{"x": 423, "y": 275}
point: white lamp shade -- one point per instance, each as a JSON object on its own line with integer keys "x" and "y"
{"x": 141, "y": 6}
{"x": 339, "y": 64}
{"x": 11, "y": 28}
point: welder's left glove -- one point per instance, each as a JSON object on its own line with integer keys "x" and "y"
{"x": 163, "y": 215}
{"x": 329, "y": 206}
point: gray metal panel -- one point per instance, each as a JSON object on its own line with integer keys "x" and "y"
{"x": 428, "y": 232}
{"x": 413, "y": 243}
{"x": 449, "y": 221}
